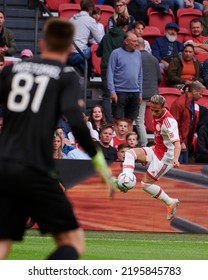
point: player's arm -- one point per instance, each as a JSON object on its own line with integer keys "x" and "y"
{"x": 177, "y": 151}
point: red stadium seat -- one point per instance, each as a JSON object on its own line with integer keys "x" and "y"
{"x": 107, "y": 11}
{"x": 160, "y": 19}
{"x": 183, "y": 32}
{"x": 164, "y": 76}
{"x": 95, "y": 61}
{"x": 68, "y": 10}
{"x": 170, "y": 94}
{"x": 150, "y": 33}
{"x": 184, "y": 16}
{"x": 53, "y": 5}
{"x": 148, "y": 118}
{"x": 201, "y": 57}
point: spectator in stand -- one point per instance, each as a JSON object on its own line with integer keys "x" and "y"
{"x": 196, "y": 38}
{"x": 205, "y": 72}
{"x": 66, "y": 144}
{"x": 111, "y": 41}
{"x": 186, "y": 112}
{"x": 164, "y": 5}
{"x": 167, "y": 47}
{"x": 1, "y": 62}
{"x": 120, "y": 9}
{"x": 184, "y": 69}
{"x": 96, "y": 14}
{"x": 202, "y": 137}
{"x": 121, "y": 130}
{"x": 96, "y": 120}
{"x": 193, "y": 4}
{"x": 124, "y": 78}
{"x": 26, "y": 54}
{"x": 85, "y": 27}
{"x": 138, "y": 9}
{"x": 57, "y": 147}
{"x": 78, "y": 153}
{"x": 63, "y": 123}
{"x": 132, "y": 139}
{"x": 122, "y": 148}
{"x": 106, "y": 135}
{"x": 7, "y": 40}
{"x": 204, "y": 21}
{"x": 151, "y": 79}
{"x": 138, "y": 28}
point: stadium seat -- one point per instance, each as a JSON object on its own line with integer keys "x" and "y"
{"x": 183, "y": 32}
{"x": 68, "y": 10}
{"x": 201, "y": 57}
{"x": 107, "y": 11}
{"x": 160, "y": 19}
{"x": 148, "y": 119}
{"x": 184, "y": 16}
{"x": 170, "y": 94}
{"x": 150, "y": 33}
{"x": 164, "y": 76}
{"x": 53, "y": 5}
{"x": 96, "y": 71}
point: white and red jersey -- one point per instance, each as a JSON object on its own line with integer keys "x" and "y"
{"x": 166, "y": 133}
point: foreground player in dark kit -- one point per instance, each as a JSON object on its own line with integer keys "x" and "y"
{"x": 35, "y": 94}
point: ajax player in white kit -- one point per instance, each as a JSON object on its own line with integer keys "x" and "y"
{"x": 161, "y": 157}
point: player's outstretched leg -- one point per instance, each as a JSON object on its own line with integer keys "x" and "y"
{"x": 158, "y": 193}
{"x": 171, "y": 210}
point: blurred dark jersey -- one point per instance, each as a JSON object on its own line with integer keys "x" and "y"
{"x": 35, "y": 94}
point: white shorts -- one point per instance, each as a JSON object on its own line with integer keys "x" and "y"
{"x": 157, "y": 168}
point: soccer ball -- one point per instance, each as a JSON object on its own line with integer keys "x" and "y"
{"x": 127, "y": 179}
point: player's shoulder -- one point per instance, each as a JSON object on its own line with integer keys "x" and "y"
{"x": 168, "y": 119}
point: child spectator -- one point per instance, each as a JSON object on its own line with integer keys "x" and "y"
{"x": 96, "y": 14}
{"x": 138, "y": 28}
{"x": 132, "y": 139}
{"x": 122, "y": 148}
{"x": 121, "y": 129}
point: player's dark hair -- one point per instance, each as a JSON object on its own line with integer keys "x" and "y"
{"x": 58, "y": 34}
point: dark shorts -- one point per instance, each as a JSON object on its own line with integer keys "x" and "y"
{"x": 26, "y": 192}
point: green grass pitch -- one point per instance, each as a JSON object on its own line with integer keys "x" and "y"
{"x": 104, "y": 245}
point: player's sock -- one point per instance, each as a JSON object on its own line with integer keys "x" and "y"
{"x": 157, "y": 192}
{"x": 129, "y": 162}
{"x": 65, "y": 252}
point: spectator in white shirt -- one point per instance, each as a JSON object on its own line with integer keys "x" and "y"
{"x": 85, "y": 27}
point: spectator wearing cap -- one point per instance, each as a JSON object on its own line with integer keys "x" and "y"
{"x": 167, "y": 47}
{"x": 26, "y": 54}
